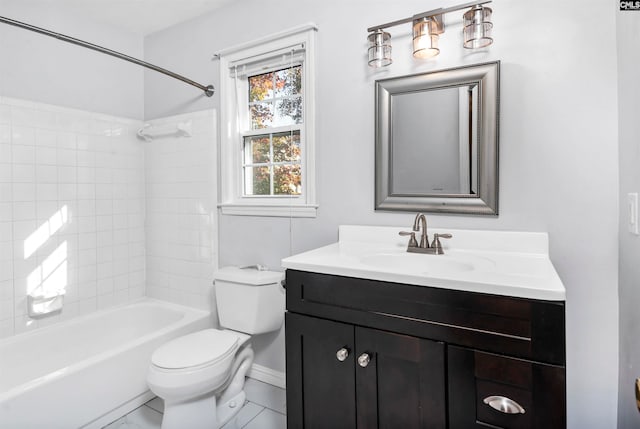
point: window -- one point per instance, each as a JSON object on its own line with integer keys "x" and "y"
{"x": 271, "y": 161}
{"x": 268, "y": 108}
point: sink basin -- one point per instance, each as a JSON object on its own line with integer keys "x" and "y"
{"x": 412, "y": 263}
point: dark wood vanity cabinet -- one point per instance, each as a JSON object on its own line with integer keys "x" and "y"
{"x": 473, "y": 375}
{"x": 371, "y": 354}
{"x": 382, "y": 379}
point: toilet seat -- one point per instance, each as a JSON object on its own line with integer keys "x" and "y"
{"x": 196, "y": 350}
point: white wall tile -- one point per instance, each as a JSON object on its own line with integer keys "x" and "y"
{"x": 57, "y": 189}
{"x": 6, "y": 269}
{"x": 86, "y": 191}
{"x": 45, "y": 138}
{"x": 5, "y": 150}
{"x": 87, "y": 240}
{"x": 66, "y": 140}
{"x": 68, "y": 174}
{"x": 105, "y": 301}
{"x": 46, "y": 173}
{"x": 86, "y": 159}
{"x": 122, "y": 268}
{"x": 81, "y": 181}
{"x": 70, "y": 310}
{"x": 6, "y": 232}
{"x": 67, "y": 157}
{"x": 23, "y": 136}
{"x": 47, "y": 192}
{"x": 85, "y": 174}
{"x": 23, "y": 154}
{"x": 104, "y": 191}
{"x": 105, "y": 286}
{"x": 179, "y": 182}
{"x": 46, "y": 209}
{"x": 5, "y": 172}
{"x": 136, "y": 291}
{"x": 25, "y": 210}
{"x": 87, "y": 277}
{"x": 120, "y": 296}
{"x": 88, "y": 305}
{"x": 104, "y": 223}
{"x": 6, "y": 211}
{"x": 22, "y": 268}
{"x": 5, "y": 115}
{"x": 46, "y": 156}
{"x": 120, "y": 221}
{"x": 24, "y": 191}
{"x": 120, "y": 236}
{"x": 104, "y": 238}
{"x": 104, "y": 175}
{"x": 23, "y": 173}
{"x": 23, "y": 229}
{"x": 67, "y": 192}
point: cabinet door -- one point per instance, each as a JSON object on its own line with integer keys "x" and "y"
{"x": 489, "y": 390}
{"x": 402, "y": 384}
{"x": 320, "y": 387}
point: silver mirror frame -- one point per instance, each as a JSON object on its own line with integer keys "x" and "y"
{"x": 485, "y": 202}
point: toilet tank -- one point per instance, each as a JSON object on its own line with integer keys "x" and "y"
{"x": 250, "y": 300}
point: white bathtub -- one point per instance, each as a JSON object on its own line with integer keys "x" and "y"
{"x": 88, "y": 371}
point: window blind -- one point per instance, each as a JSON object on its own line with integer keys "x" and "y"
{"x": 274, "y": 60}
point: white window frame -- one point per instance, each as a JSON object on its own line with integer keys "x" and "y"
{"x": 233, "y": 200}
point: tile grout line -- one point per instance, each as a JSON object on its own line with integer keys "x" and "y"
{"x": 254, "y": 417}
{"x": 153, "y": 409}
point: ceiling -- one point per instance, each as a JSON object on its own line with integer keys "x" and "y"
{"x": 142, "y": 16}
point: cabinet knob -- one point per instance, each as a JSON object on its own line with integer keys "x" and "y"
{"x": 504, "y": 405}
{"x": 363, "y": 360}
{"x": 342, "y": 354}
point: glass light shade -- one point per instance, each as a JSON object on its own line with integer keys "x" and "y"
{"x": 477, "y": 27}
{"x": 379, "y": 49}
{"x": 425, "y": 38}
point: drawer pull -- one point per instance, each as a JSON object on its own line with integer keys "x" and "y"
{"x": 504, "y": 405}
{"x": 363, "y": 360}
{"x": 342, "y": 354}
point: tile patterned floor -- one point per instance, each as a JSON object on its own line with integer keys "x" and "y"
{"x": 265, "y": 409}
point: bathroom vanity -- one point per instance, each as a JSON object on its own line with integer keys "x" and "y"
{"x": 377, "y": 337}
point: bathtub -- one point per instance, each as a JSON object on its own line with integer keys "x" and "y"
{"x": 88, "y": 371}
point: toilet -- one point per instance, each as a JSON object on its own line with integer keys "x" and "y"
{"x": 200, "y": 376}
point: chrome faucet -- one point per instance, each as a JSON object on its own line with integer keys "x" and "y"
{"x": 421, "y": 220}
{"x": 435, "y": 248}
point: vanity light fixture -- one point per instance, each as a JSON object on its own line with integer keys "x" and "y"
{"x": 379, "y": 48}
{"x": 477, "y": 27}
{"x": 427, "y": 27}
{"x": 426, "y": 35}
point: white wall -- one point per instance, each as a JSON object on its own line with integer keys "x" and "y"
{"x": 558, "y": 147}
{"x": 40, "y": 68}
{"x": 628, "y": 28}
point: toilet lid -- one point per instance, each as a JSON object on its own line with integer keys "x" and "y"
{"x": 199, "y": 348}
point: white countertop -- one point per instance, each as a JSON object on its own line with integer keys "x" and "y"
{"x": 513, "y": 264}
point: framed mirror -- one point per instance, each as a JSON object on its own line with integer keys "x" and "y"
{"x": 437, "y": 141}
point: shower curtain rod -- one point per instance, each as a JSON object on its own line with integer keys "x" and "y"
{"x": 208, "y": 90}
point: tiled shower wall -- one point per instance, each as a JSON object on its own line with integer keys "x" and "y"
{"x": 181, "y": 211}
{"x": 71, "y": 211}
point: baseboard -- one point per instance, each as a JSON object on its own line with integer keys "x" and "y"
{"x": 268, "y": 375}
